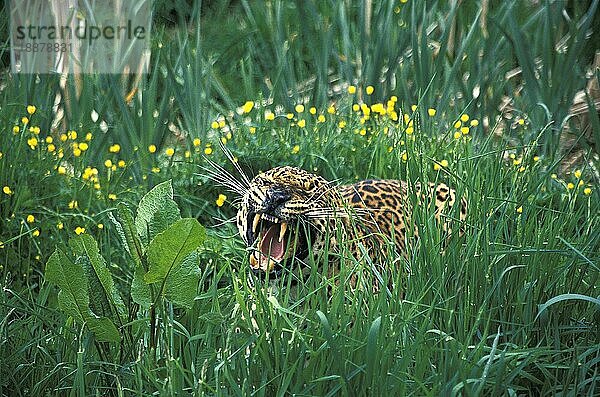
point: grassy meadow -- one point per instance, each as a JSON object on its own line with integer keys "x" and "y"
{"x": 121, "y": 271}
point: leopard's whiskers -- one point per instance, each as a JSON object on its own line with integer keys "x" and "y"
{"x": 223, "y": 177}
{"x": 235, "y": 163}
{"x": 224, "y": 221}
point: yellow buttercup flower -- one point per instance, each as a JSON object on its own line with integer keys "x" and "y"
{"x": 112, "y": 196}
{"x": 79, "y": 230}
{"x": 197, "y": 142}
{"x": 378, "y": 108}
{"x": 16, "y": 129}
{"x": 269, "y": 115}
{"x": 342, "y": 124}
{"x": 170, "y": 152}
{"x": 457, "y": 135}
{"x": 464, "y": 118}
{"x": 30, "y": 218}
{"x": 31, "y": 109}
{"x": 331, "y": 109}
{"x": 62, "y": 170}
{"x": 100, "y": 226}
{"x": 577, "y": 174}
{"x": 321, "y": 118}
{"x": 431, "y": 112}
{"x": 7, "y": 190}
{"x": 221, "y": 200}
{"x": 312, "y": 110}
{"x": 214, "y": 125}
{"x": 464, "y": 130}
{"x": 299, "y": 108}
{"x": 73, "y": 204}
{"x": 60, "y": 225}
{"x": 351, "y": 89}
{"x": 520, "y": 210}
{"x": 570, "y": 186}
{"x": 36, "y": 233}
{"x": 108, "y": 163}
{"x": 248, "y": 106}
{"x": 302, "y": 123}
{"x": 474, "y": 123}
{"x": 32, "y": 142}
{"x": 295, "y": 149}
{"x": 208, "y": 150}
{"x": 369, "y": 90}
{"x": 116, "y": 148}
{"x": 587, "y": 191}
{"x": 152, "y": 148}
{"x": 24, "y": 120}
{"x": 83, "y": 146}
{"x": 121, "y": 163}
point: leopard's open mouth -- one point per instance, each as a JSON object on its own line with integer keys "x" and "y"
{"x": 275, "y": 241}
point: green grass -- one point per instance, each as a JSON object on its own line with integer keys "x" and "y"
{"x": 509, "y": 308}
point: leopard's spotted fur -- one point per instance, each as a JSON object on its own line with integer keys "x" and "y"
{"x": 309, "y": 209}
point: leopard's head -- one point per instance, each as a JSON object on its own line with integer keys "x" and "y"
{"x": 276, "y": 217}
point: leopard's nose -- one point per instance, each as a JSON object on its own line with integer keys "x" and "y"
{"x": 275, "y": 198}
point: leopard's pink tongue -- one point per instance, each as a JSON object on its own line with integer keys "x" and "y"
{"x": 270, "y": 244}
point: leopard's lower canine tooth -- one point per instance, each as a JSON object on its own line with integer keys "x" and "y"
{"x": 282, "y": 230}
{"x": 255, "y": 223}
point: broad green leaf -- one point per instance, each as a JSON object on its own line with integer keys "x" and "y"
{"x": 181, "y": 286}
{"x": 168, "y": 249}
{"x": 104, "y": 329}
{"x": 140, "y": 291}
{"x": 100, "y": 282}
{"x": 99, "y": 304}
{"x": 73, "y": 297}
{"x": 125, "y": 226}
{"x": 156, "y": 212}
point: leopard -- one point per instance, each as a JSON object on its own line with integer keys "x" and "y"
{"x": 287, "y": 213}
